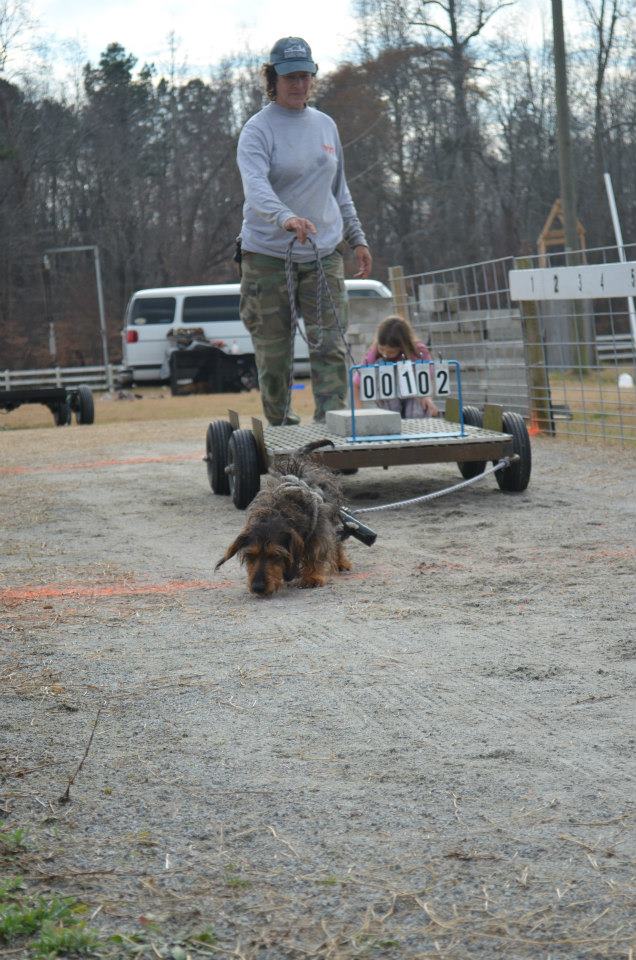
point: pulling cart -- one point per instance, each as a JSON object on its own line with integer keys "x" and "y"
{"x": 61, "y": 401}
{"x": 237, "y": 457}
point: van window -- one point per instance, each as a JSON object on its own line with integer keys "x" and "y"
{"x": 152, "y": 310}
{"x": 197, "y": 310}
{"x": 367, "y": 294}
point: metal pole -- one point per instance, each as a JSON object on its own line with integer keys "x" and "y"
{"x": 100, "y": 301}
{"x": 46, "y": 280}
{"x": 618, "y": 233}
{"x": 102, "y": 319}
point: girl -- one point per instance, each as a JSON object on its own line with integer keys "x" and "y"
{"x": 395, "y": 340}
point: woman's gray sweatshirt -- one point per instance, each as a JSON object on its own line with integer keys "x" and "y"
{"x": 291, "y": 164}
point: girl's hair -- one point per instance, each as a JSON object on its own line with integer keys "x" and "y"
{"x": 268, "y": 72}
{"x": 397, "y": 333}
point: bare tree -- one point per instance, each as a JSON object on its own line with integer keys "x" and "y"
{"x": 460, "y": 23}
{"x": 604, "y": 17}
{"x": 15, "y": 23}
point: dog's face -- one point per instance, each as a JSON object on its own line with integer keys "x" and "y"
{"x": 271, "y": 552}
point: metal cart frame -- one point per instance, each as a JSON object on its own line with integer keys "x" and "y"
{"x": 237, "y": 457}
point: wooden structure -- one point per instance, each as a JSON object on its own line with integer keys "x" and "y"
{"x": 553, "y": 233}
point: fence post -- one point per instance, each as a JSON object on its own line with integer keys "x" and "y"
{"x": 399, "y": 291}
{"x": 541, "y": 417}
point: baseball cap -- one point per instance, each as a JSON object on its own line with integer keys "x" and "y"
{"x": 290, "y": 55}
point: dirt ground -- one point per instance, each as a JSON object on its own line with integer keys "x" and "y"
{"x": 432, "y": 756}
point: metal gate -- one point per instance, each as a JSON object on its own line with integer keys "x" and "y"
{"x": 567, "y": 365}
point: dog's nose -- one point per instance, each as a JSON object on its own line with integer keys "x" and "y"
{"x": 258, "y": 586}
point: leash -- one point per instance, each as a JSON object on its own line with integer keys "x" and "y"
{"x": 322, "y": 287}
{"x": 351, "y": 525}
{"x": 290, "y": 482}
{"x": 501, "y": 465}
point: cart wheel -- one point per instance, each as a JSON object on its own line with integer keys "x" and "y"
{"x": 472, "y": 468}
{"x": 243, "y": 468}
{"x": 216, "y": 442}
{"x": 62, "y": 413}
{"x": 515, "y": 478}
{"x": 84, "y": 406}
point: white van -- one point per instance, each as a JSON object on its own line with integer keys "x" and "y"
{"x": 152, "y": 314}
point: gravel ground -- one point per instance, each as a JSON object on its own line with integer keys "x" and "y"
{"x": 430, "y": 757}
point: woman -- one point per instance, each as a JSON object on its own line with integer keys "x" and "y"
{"x": 292, "y": 167}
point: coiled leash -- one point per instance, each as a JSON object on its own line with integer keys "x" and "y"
{"x": 351, "y": 526}
{"x": 322, "y": 287}
{"x": 500, "y": 465}
{"x": 290, "y": 481}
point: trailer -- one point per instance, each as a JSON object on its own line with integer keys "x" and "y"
{"x": 237, "y": 457}
{"x": 61, "y": 401}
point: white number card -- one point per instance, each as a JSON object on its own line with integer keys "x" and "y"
{"x": 407, "y": 384}
{"x": 442, "y": 380}
{"x": 367, "y": 384}
{"x": 386, "y": 381}
{"x": 423, "y": 379}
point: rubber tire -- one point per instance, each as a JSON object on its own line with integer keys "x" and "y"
{"x": 85, "y": 409}
{"x": 516, "y": 477}
{"x": 216, "y": 443}
{"x": 472, "y": 468}
{"x": 62, "y": 414}
{"x": 243, "y": 463}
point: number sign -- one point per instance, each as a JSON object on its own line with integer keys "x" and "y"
{"x": 600, "y": 280}
{"x": 386, "y": 381}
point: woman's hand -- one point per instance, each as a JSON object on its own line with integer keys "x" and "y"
{"x": 429, "y": 408}
{"x": 364, "y": 262}
{"x": 301, "y": 227}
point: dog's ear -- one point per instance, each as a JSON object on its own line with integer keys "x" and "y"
{"x": 239, "y": 544}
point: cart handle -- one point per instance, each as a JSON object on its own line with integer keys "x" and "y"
{"x": 353, "y": 528}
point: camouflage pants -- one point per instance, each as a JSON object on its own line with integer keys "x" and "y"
{"x": 266, "y": 313}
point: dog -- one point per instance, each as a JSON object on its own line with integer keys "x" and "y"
{"x": 293, "y": 530}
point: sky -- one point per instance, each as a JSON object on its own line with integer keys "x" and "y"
{"x": 205, "y": 33}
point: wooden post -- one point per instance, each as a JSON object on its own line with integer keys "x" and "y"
{"x": 399, "y": 291}
{"x": 541, "y": 418}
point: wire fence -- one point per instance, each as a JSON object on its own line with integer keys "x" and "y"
{"x": 567, "y": 366}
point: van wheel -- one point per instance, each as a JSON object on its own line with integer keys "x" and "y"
{"x": 216, "y": 450}
{"x": 243, "y": 468}
{"x": 472, "y": 468}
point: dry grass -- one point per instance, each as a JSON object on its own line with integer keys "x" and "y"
{"x": 598, "y": 407}
{"x": 157, "y": 403}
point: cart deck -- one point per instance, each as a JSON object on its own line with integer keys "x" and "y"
{"x": 438, "y": 447}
